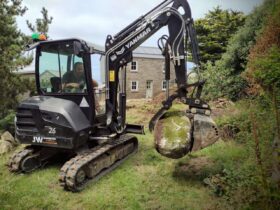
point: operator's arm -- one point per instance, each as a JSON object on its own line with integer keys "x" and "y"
{"x": 70, "y": 85}
{"x": 94, "y": 83}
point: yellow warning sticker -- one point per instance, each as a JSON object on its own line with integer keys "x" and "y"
{"x": 112, "y": 76}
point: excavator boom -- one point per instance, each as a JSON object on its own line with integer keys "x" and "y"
{"x": 176, "y": 15}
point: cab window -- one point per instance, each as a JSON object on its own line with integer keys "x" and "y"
{"x": 98, "y": 79}
{"x": 60, "y": 70}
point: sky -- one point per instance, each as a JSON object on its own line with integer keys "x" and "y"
{"x": 93, "y": 20}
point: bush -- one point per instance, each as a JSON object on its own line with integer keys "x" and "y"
{"x": 7, "y": 123}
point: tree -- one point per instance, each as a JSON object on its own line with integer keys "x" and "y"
{"x": 225, "y": 75}
{"x": 12, "y": 42}
{"x": 42, "y": 24}
{"x": 214, "y": 32}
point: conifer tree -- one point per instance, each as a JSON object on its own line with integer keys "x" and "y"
{"x": 12, "y": 42}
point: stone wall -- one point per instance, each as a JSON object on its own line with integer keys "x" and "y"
{"x": 148, "y": 69}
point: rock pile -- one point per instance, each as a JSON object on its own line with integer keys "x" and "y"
{"x": 222, "y": 103}
{"x": 7, "y": 143}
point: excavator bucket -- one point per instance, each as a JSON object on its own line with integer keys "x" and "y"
{"x": 177, "y": 133}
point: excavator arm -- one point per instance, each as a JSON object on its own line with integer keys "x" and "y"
{"x": 176, "y": 15}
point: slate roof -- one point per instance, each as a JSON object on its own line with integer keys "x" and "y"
{"x": 147, "y": 52}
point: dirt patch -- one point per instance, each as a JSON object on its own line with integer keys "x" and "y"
{"x": 196, "y": 168}
{"x": 221, "y": 107}
{"x": 196, "y": 165}
{"x": 158, "y": 99}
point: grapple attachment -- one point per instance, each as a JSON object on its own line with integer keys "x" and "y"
{"x": 177, "y": 132}
{"x": 205, "y": 132}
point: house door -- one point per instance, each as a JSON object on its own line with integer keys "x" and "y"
{"x": 149, "y": 89}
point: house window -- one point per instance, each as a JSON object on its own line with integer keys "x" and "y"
{"x": 134, "y": 86}
{"x": 134, "y": 66}
{"x": 164, "y": 85}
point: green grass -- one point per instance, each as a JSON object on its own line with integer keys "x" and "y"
{"x": 145, "y": 181}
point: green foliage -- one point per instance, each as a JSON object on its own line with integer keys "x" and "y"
{"x": 248, "y": 182}
{"x": 237, "y": 127}
{"x": 12, "y": 43}
{"x": 263, "y": 69}
{"x": 224, "y": 76}
{"x": 214, "y": 32}
{"x": 7, "y": 123}
{"x": 267, "y": 67}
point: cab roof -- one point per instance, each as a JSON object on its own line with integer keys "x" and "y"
{"x": 92, "y": 47}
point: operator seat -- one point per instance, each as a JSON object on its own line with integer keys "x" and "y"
{"x": 56, "y": 84}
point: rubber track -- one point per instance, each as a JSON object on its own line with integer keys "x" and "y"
{"x": 70, "y": 169}
{"x": 16, "y": 159}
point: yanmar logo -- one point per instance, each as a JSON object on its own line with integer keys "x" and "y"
{"x": 137, "y": 38}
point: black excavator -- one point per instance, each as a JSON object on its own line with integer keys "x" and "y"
{"x": 86, "y": 123}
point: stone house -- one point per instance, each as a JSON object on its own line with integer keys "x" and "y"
{"x": 145, "y": 74}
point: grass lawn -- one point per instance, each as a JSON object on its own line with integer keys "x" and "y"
{"x": 145, "y": 181}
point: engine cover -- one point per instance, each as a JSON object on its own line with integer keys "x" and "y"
{"x": 52, "y": 122}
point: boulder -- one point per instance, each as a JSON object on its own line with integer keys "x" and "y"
{"x": 5, "y": 147}
{"x": 172, "y": 135}
{"x": 8, "y": 137}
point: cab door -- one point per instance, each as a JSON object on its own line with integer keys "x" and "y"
{"x": 55, "y": 62}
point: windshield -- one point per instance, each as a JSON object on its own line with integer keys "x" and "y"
{"x": 60, "y": 70}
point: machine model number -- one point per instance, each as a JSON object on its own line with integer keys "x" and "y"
{"x": 50, "y": 130}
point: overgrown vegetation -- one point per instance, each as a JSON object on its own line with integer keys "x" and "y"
{"x": 251, "y": 67}
{"x": 224, "y": 76}
{"x": 247, "y": 181}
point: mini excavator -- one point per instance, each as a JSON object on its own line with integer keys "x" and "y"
{"x": 88, "y": 124}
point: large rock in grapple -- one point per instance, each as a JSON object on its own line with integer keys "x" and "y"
{"x": 172, "y": 135}
{"x": 177, "y": 133}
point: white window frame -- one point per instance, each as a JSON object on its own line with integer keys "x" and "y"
{"x": 136, "y": 65}
{"x": 162, "y": 86}
{"x": 137, "y": 86}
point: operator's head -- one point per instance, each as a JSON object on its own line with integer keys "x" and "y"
{"x": 79, "y": 69}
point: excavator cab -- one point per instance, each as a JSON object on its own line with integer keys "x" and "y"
{"x": 63, "y": 70}
{"x": 63, "y": 113}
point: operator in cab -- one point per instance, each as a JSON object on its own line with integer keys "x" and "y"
{"x": 75, "y": 79}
